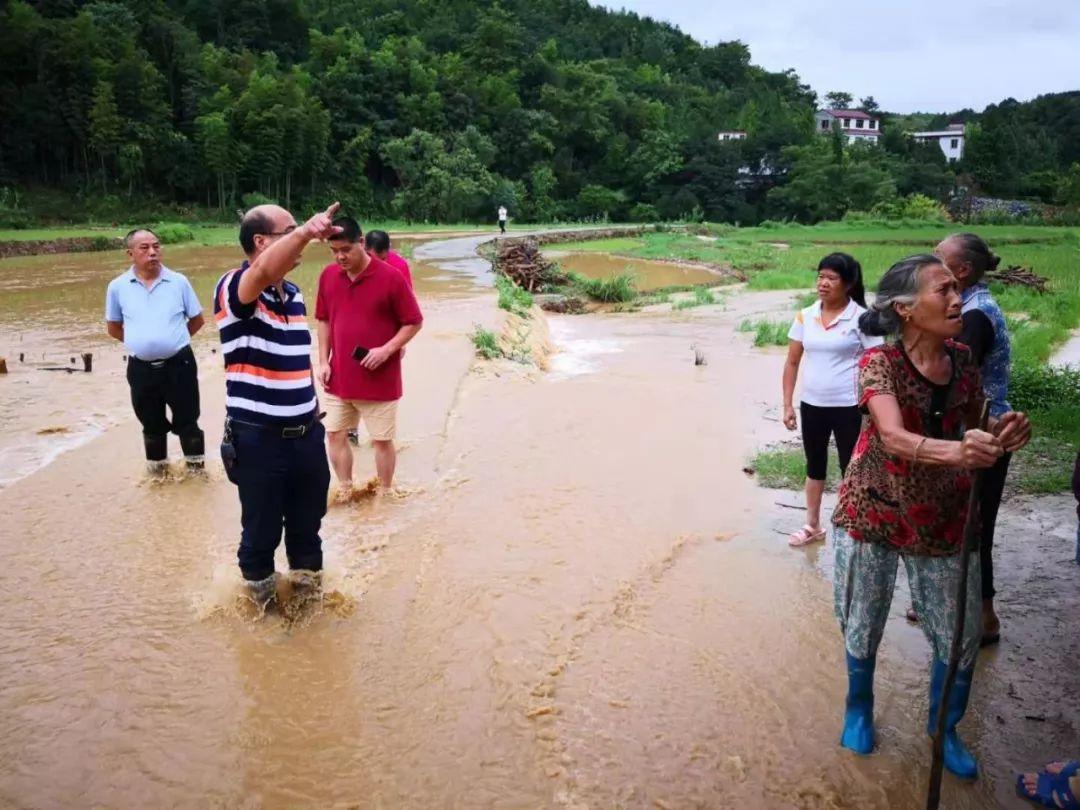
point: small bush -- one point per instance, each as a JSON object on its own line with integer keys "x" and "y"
{"x": 12, "y": 214}
{"x": 512, "y": 298}
{"x": 702, "y": 297}
{"x": 486, "y": 343}
{"x": 618, "y": 289}
{"x": 253, "y": 198}
{"x": 914, "y": 208}
{"x": 105, "y": 243}
{"x": 771, "y": 334}
{"x": 644, "y": 212}
{"x": 1038, "y": 388}
{"x": 171, "y": 233}
{"x": 766, "y": 333}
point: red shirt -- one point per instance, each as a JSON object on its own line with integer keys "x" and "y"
{"x": 397, "y": 260}
{"x": 367, "y": 311}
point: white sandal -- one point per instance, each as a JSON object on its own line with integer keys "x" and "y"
{"x": 805, "y": 536}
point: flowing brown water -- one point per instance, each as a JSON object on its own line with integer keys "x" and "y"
{"x": 574, "y": 600}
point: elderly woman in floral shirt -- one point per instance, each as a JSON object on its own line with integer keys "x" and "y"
{"x": 905, "y": 494}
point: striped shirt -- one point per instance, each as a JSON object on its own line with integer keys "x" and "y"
{"x": 267, "y": 350}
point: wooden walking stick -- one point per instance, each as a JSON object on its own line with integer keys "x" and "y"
{"x": 933, "y": 793}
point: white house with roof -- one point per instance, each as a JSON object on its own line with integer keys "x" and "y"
{"x": 732, "y": 135}
{"x": 951, "y": 140}
{"x": 855, "y": 124}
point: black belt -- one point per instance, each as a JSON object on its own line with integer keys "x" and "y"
{"x": 284, "y": 431}
{"x": 184, "y": 352}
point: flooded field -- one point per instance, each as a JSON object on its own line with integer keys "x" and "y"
{"x": 576, "y": 598}
{"x": 648, "y": 275}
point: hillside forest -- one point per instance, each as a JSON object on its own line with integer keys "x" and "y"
{"x": 442, "y": 110}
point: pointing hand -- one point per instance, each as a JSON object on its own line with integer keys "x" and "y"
{"x": 321, "y": 226}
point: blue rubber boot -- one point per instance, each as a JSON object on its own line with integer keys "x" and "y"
{"x": 959, "y": 761}
{"x": 858, "y": 733}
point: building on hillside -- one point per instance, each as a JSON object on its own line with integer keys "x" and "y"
{"x": 764, "y": 175}
{"x": 732, "y": 135}
{"x": 855, "y": 124}
{"x": 951, "y": 140}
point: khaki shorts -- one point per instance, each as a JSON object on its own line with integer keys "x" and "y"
{"x": 380, "y": 418}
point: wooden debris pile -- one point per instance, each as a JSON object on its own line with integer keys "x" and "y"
{"x": 1016, "y": 276}
{"x": 520, "y": 260}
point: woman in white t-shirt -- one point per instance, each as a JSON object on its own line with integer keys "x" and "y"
{"x": 826, "y": 340}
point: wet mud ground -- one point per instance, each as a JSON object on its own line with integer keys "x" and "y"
{"x": 574, "y": 599}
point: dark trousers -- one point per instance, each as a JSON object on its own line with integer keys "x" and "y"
{"x": 993, "y": 485}
{"x": 172, "y": 383}
{"x": 818, "y": 424}
{"x": 502, "y": 226}
{"x": 283, "y": 485}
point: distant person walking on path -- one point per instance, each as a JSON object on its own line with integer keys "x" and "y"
{"x": 366, "y": 313}
{"x": 155, "y": 313}
{"x": 905, "y": 494}
{"x": 969, "y": 259}
{"x": 827, "y": 337}
{"x": 378, "y": 243}
{"x": 502, "y": 219}
{"x": 1076, "y": 494}
{"x": 273, "y": 446}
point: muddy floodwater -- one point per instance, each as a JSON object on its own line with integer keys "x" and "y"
{"x": 575, "y": 597}
{"x": 648, "y": 275}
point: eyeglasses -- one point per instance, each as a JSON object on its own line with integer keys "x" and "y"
{"x": 288, "y": 230}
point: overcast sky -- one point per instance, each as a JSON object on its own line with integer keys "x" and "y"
{"x": 911, "y": 55}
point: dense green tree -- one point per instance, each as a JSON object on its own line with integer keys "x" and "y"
{"x": 839, "y": 100}
{"x": 439, "y": 110}
{"x": 825, "y": 182}
{"x": 105, "y": 126}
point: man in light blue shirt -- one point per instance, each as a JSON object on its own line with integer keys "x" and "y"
{"x": 155, "y": 312}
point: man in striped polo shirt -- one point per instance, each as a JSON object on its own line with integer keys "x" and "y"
{"x": 273, "y": 446}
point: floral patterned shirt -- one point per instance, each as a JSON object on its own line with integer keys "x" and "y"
{"x": 915, "y": 508}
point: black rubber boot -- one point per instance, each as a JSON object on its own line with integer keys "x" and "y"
{"x": 262, "y": 591}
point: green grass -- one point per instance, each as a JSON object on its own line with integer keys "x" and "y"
{"x": 879, "y": 231}
{"x": 617, "y": 289}
{"x": 702, "y": 296}
{"x": 767, "y": 333}
{"x": 615, "y": 245}
{"x": 650, "y": 298}
{"x": 486, "y": 343}
{"x": 785, "y": 468}
{"x": 512, "y": 298}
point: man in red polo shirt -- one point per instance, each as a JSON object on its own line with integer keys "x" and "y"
{"x": 378, "y": 242}
{"x": 366, "y": 312}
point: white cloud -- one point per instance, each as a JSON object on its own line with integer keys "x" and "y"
{"x": 933, "y": 55}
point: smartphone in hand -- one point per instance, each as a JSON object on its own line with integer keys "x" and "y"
{"x": 359, "y": 353}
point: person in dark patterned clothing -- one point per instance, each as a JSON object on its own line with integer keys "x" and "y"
{"x": 905, "y": 492}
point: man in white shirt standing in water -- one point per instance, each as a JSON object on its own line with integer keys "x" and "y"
{"x": 827, "y": 334}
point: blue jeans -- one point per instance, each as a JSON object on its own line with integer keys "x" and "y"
{"x": 283, "y": 485}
